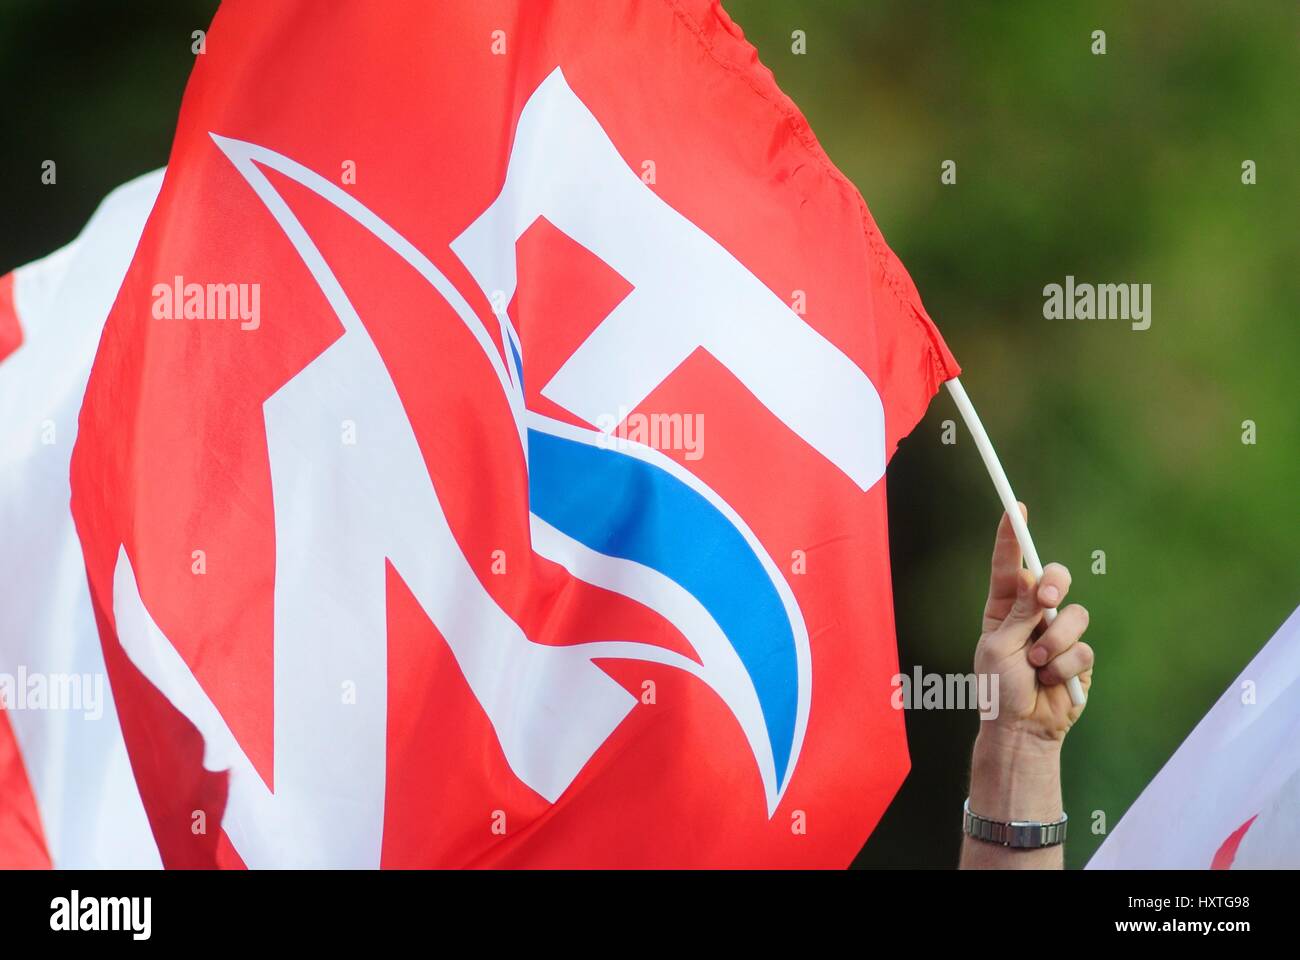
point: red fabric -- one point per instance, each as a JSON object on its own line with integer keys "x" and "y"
{"x": 11, "y": 332}
{"x": 172, "y": 450}
{"x": 1224, "y": 856}
{"x": 22, "y": 839}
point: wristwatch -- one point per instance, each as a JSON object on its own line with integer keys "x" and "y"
{"x": 1019, "y": 834}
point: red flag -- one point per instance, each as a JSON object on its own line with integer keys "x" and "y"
{"x": 482, "y": 461}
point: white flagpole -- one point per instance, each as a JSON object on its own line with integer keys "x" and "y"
{"x": 1009, "y": 503}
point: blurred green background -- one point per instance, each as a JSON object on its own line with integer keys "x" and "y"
{"x": 1122, "y": 168}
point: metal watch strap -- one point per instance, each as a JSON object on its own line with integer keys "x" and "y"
{"x": 1018, "y": 834}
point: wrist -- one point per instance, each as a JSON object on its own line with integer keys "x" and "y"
{"x": 1028, "y": 743}
{"x": 1015, "y": 775}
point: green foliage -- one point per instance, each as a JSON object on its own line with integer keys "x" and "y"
{"x": 1117, "y": 168}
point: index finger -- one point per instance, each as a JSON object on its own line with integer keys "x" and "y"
{"x": 1006, "y": 564}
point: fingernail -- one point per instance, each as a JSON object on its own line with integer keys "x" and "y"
{"x": 1051, "y": 596}
{"x": 1038, "y": 656}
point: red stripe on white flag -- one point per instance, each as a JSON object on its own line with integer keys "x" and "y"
{"x": 11, "y": 332}
{"x": 22, "y": 840}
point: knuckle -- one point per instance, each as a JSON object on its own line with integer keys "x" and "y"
{"x": 1082, "y": 613}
